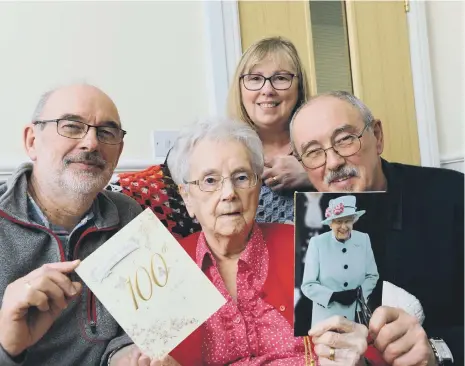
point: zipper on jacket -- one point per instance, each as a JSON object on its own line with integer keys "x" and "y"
{"x": 91, "y": 306}
{"x": 41, "y": 228}
{"x": 91, "y": 312}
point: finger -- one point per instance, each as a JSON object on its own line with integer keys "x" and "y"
{"x": 273, "y": 181}
{"x": 62, "y": 267}
{"x": 57, "y": 271}
{"x": 269, "y": 162}
{"x": 335, "y": 323}
{"x": 322, "y": 350}
{"x": 419, "y": 354}
{"x": 78, "y": 287}
{"x": 389, "y": 334}
{"x": 60, "y": 279}
{"x": 267, "y": 173}
{"x": 353, "y": 341}
{"x": 53, "y": 292}
{"x": 345, "y": 357}
{"x": 135, "y": 355}
{"x": 404, "y": 344}
{"x": 144, "y": 360}
{"x": 277, "y": 187}
{"x": 382, "y": 316}
{"x": 42, "y": 282}
{"x": 35, "y": 298}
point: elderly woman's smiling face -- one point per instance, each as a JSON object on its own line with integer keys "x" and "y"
{"x": 342, "y": 227}
{"x": 230, "y": 210}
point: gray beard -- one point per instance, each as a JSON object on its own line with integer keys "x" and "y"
{"x": 82, "y": 185}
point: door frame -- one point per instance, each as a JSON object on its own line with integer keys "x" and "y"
{"x": 223, "y": 51}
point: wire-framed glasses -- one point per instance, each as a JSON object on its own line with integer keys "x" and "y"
{"x": 214, "y": 182}
{"x": 345, "y": 146}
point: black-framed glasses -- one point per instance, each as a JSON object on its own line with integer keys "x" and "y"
{"x": 214, "y": 182}
{"x": 110, "y": 135}
{"x": 345, "y": 146}
{"x": 254, "y": 82}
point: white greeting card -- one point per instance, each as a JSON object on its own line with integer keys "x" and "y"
{"x": 150, "y": 285}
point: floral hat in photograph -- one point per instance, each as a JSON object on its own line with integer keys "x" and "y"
{"x": 341, "y": 207}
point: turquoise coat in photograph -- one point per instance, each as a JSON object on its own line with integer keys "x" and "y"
{"x": 334, "y": 266}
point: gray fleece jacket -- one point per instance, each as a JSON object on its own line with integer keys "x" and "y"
{"x": 85, "y": 333}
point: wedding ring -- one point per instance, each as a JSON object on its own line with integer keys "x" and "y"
{"x": 332, "y": 353}
{"x": 28, "y": 285}
{"x": 274, "y": 179}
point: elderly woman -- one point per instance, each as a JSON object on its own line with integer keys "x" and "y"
{"x": 269, "y": 85}
{"x": 218, "y": 166}
{"x": 338, "y": 263}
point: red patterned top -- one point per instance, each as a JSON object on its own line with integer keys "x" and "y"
{"x": 248, "y": 331}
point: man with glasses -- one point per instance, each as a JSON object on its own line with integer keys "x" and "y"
{"x": 339, "y": 143}
{"x": 53, "y": 214}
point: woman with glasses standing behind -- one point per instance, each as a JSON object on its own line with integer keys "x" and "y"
{"x": 269, "y": 85}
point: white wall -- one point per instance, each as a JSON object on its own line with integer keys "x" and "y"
{"x": 447, "y": 48}
{"x": 148, "y": 56}
{"x": 164, "y": 63}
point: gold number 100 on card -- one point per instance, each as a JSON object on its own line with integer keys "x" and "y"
{"x": 145, "y": 294}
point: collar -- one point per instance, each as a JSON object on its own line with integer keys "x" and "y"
{"x": 338, "y": 241}
{"x": 36, "y": 215}
{"x": 253, "y": 255}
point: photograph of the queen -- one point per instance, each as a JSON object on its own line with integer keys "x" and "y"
{"x": 339, "y": 263}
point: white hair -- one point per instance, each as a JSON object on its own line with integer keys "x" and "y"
{"x": 213, "y": 129}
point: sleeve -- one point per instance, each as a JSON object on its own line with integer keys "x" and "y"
{"x": 115, "y": 344}
{"x": 6, "y": 360}
{"x": 453, "y": 332}
{"x": 371, "y": 275}
{"x": 311, "y": 286}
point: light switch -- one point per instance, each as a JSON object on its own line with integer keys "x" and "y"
{"x": 163, "y": 141}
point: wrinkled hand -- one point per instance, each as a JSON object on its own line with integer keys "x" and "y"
{"x": 132, "y": 356}
{"x": 32, "y": 303}
{"x": 346, "y": 297}
{"x": 287, "y": 171}
{"x": 347, "y": 338}
{"x": 400, "y": 338}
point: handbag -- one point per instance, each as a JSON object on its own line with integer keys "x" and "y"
{"x": 362, "y": 311}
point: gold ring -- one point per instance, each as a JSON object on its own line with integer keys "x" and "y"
{"x": 332, "y": 353}
{"x": 274, "y": 179}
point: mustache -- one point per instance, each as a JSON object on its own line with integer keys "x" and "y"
{"x": 342, "y": 172}
{"x": 86, "y": 157}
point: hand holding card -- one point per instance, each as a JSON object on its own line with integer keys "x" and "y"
{"x": 150, "y": 285}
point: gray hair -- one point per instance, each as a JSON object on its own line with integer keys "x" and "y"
{"x": 364, "y": 111}
{"x": 46, "y": 96}
{"x": 40, "y": 106}
{"x": 215, "y": 129}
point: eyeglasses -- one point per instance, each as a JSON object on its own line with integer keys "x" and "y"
{"x": 255, "y": 82}
{"x": 77, "y": 130}
{"x": 345, "y": 146}
{"x": 214, "y": 182}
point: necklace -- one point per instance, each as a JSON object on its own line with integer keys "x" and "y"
{"x": 309, "y": 352}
